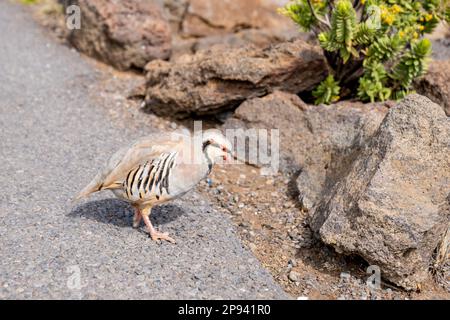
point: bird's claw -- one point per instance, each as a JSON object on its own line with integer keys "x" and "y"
{"x": 162, "y": 236}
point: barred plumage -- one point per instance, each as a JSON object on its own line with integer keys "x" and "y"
{"x": 150, "y": 180}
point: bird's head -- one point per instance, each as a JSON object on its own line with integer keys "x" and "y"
{"x": 216, "y": 146}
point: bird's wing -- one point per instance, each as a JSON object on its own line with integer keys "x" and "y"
{"x": 146, "y": 149}
{"x": 126, "y": 159}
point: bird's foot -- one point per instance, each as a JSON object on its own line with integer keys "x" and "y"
{"x": 156, "y": 235}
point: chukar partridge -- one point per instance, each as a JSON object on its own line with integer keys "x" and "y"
{"x": 159, "y": 168}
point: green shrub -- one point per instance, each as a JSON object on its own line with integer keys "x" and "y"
{"x": 374, "y": 48}
{"x": 327, "y": 91}
{"x": 28, "y": 1}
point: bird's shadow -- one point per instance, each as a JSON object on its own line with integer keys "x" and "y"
{"x": 120, "y": 213}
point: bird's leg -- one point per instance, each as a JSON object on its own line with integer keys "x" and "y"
{"x": 137, "y": 217}
{"x": 156, "y": 235}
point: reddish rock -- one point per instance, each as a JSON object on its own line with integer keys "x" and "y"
{"x": 204, "y": 18}
{"x": 215, "y": 80}
{"x": 126, "y": 34}
{"x": 260, "y": 38}
{"x": 198, "y": 25}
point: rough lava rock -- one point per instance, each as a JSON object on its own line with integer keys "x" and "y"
{"x": 175, "y": 11}
{"x": 436, "y": 84}
{"x": 126, "y": 34}
{"x": 316, "y": 141}
{"x": 440, "y": 39}
{"x": 199, "y": 18}
{"x": 390, "y": 208}
{"x": 260, "y": 38}
{"x": 197, "y": 25}
{"x": 217, "y": 79}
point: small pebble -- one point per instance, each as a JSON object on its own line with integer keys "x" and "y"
{"x": 345, "y": 276}
{"x": 293, "y": 234}
{"x": 292, "y": 262}
{"x": 294, "y": 276}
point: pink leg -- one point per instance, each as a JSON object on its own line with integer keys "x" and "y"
{"x": 156, "y": 235}
{"x": 137, "y": 217}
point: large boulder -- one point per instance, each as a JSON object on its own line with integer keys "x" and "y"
{"x": 126, "y": 34}
{"x": 204, "y": 18}
{"x": 315, "y": 141}
{"x": 392, "y": 206}
{"x": 215, "y": 80}
{"x": 338, "y": 133}
{"x": 197, "y": 25}
{"x": 436, "y": 84}
{"x": 199, "y": 18}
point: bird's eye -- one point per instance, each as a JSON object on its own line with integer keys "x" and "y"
{"x": 224, "y": 149}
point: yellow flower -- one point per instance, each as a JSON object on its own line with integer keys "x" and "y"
{"x": 415, "y": 35}
{"x": 401, "y": 34}
{"x": 363, "y": 1}
{"x": 428, "y": 17}
{"x": 421, "y": 27}
{"x": 319, "y": 3}
{"x": 396, "y": 8}
{"x": 388, "y": 18}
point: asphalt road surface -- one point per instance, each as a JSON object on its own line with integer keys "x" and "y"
{"x": 52, "y": 140}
